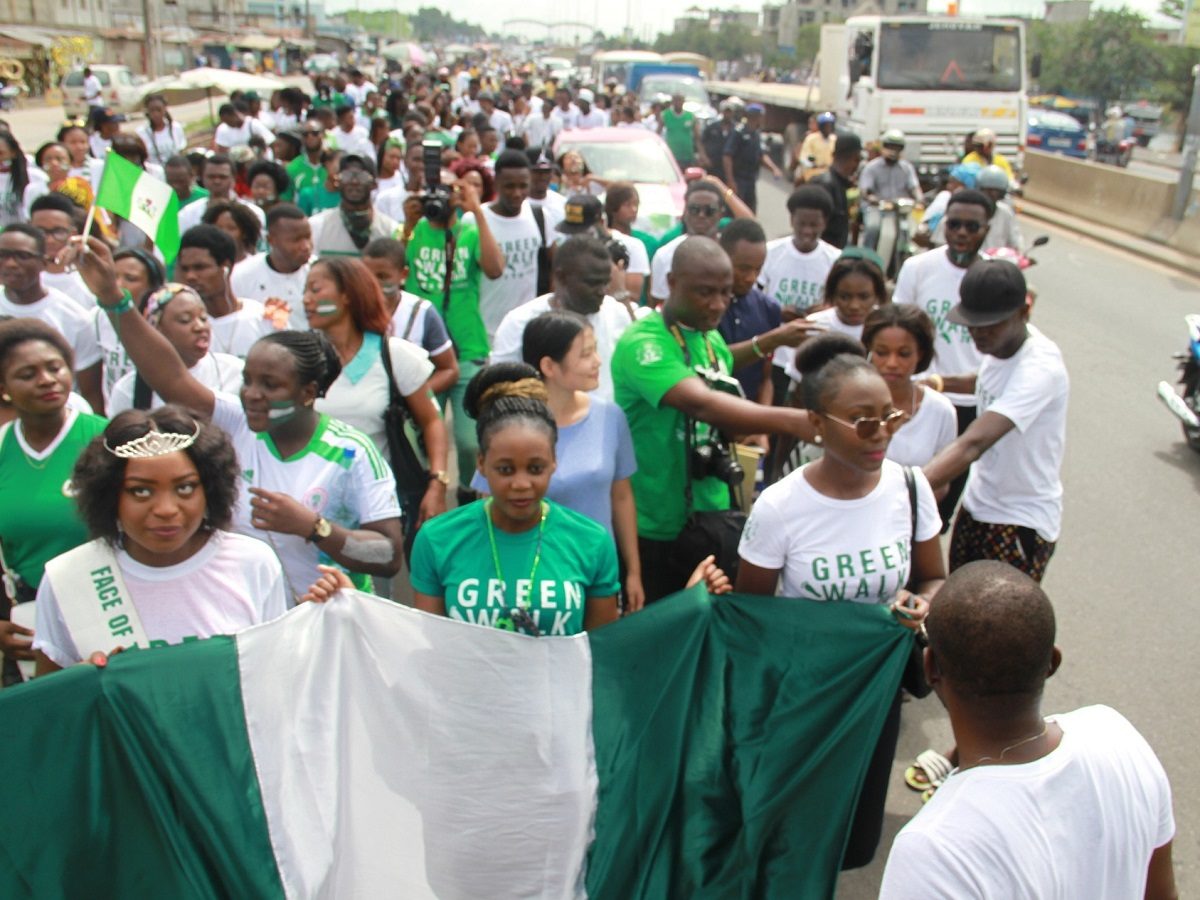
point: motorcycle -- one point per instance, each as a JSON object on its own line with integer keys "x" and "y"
{"x": 1116, "y": 153}
{"x": 1021, "y": 259}
{"x": 1185, "y": 404}
{"x": 895, "y": 231}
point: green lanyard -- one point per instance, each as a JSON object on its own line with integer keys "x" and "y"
{"x": 537, "y": 555}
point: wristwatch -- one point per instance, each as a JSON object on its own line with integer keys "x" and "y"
{"x": 322, "y": 528}
{"x": 440, "y": 476}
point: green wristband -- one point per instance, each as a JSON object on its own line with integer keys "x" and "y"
{"x": 124, "y": 305}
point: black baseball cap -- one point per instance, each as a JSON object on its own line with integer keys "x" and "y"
{"x": 538, "y": 159}
{"x": 991, "y": 291}
{"x": 356, "y": 159}
{"x": 583, "y": 211}
{"x": 847, "y": 143}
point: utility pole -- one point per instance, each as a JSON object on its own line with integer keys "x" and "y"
{"x": 151, "y": 41}
{"x": 1187, "y": 172}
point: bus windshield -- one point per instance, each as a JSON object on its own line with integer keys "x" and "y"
{"x": 949, "y": 56}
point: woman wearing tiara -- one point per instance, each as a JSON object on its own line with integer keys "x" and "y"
{"x": 157, "y": 492}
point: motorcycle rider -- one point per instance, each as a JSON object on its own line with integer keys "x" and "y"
{"x": 1003, "y": 230}
{"x": 886, "y": 178}
{"x": 816, "y": 152}
{"x": 985, "y": 153}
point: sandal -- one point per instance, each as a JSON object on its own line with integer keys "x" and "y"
{"x": 930, "y": 771}
{"x": 927, "y": 794}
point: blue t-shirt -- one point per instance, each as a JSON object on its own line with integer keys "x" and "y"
{"x": 751, "y": 314}
{"x": 592, "y": 454}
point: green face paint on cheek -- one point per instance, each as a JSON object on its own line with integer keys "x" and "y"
{"x": 326, "y": 308}
{"x": 281, "y": 411}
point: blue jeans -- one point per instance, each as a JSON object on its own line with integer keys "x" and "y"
{"x": 465, "y": 445}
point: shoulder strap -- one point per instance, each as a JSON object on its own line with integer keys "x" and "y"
{"x": 9, "y": 577}
{"x": 539, "y": 216}
{"x": 95, "y": 603}
{"x": 412, "y": 319}
{"x": 394, "y": 396}
{"x": 910, "y": 480}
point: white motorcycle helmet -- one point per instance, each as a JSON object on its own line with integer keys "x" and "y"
{"x": 993, "y": 178}
{"x": 893, "y": 137}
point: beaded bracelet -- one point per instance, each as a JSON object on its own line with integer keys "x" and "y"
{"x": 124, "y": 305}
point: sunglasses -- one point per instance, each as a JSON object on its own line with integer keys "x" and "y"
{"x": 19, "y": 255}
{"x": 970, "y": 227}
{"x": 352, "y": 175}
{"x": 706, "y": 210}
{"x": 866, "y": 426}
{"x": 59, "y": 234}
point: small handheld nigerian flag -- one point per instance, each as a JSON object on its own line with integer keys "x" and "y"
{"x": 144, "y": 200}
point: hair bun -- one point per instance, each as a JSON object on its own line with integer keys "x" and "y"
{"x": 526, "y": 388}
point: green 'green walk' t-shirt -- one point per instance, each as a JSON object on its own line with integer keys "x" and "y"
{"x": 198, "y": 193}
{"x": 679, "y": 133}
{"x": 304, "y": 174}
{"x": 452, "y": 559}
{"x": 426, "y": 278}
{"x": 646, "y": 364}
{"x": 38, "y": 516}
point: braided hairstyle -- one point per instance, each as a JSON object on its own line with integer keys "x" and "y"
{"x": 824, "y": 362}
{"x": 508, "y": 394}
{"x": 316, "y": 360}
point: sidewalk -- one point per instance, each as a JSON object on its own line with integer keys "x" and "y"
{"x": 1147, "y": 249}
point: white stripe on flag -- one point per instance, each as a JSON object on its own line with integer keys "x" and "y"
{"x": 402, "y": 754}
{"x": 148, "y": 203}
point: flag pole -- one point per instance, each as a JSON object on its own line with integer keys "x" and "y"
{"x": 91, "y": 216}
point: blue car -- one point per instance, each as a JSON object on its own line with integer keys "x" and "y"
{"x": 1056, "y": 132}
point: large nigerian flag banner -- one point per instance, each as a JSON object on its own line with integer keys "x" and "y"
{"x": 703, "y": 748}
{"x": 147, "y": 202}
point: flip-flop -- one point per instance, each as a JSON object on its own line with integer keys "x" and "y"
{"x": 927, "y": 794}
{"x": 929, "y": 771}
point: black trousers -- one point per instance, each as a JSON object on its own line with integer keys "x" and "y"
{"x": 867, "y": 825}
{"x": 966, "y": 415}
{"x": 666, "y": 567}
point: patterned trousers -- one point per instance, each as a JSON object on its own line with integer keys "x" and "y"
{"x": 1018, "y": 545}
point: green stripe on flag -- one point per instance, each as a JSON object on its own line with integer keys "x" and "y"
{"x": 135, "y": 781}
{"x": 150, "y": 204}
{"x": 730, "y": 733}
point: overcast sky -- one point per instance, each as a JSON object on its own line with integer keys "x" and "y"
{"x": 647, "y": 19}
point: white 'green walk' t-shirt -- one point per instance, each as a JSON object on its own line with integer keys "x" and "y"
{"x": 339, "y": 474}
{"x": 452, "y": 559}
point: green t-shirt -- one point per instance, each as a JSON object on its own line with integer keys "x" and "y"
{"x": 304, "y": 174}
{"x": 426, "y": 278}
{"x": 646, "y": 364}
{"x": 334, "y": 100}
{"x": 198, "y": 193}
{"x": 452, "y": 559}
{"x": 38, "y": 516}
{"x": 679, "y": 133}
{"x": 316, "y": 198}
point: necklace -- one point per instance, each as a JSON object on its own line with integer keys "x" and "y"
{"x": 537, "y": 553}
{"x": 1032, "y": 737}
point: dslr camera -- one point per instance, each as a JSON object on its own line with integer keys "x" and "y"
{"x": 435, "y": 199}
{"x": 713, "y": 457}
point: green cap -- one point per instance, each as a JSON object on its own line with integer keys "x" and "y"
{"x": 856, "y": 252}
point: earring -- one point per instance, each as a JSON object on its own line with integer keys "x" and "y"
{"x": 818, "y": 439}
{"x": 7, "y": 398}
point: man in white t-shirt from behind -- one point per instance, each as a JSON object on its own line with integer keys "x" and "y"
{"x": 236, "y": 129}
{"x": 281, "y": 272}
{"x": 1073, "y": 805}
{"x": 931, "y": 281}
{"x": 582, "y": 271}
{"x": 1012, "y": 507}
{"x": 205, "y": 261}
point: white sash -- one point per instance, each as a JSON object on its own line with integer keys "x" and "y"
{"x": 96, "y": 606}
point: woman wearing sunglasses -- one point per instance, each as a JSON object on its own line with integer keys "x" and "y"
{"x": 840, "y": 529}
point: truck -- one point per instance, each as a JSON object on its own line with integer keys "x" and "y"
{"x": 936, "y": 78}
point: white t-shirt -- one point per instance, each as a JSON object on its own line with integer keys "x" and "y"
{"x": 795, "y": 279}
{"x": 593, "y": 118}
{"x": 115, "y": 362}
{"x": 519, "y": 241}
{"x": 162, "y": 145}
{"x": 236, "y": 332}
{"x": 229, "y": 137}
{"x": 231, "y": 583}
{"x": 829, "y": 549}
{"x": 1082, "y": 821}
{"x": 639, "y": 259}
{"x": 920, "y": 438}
{"x": 216, "y": 371}
{"x": 929, "y": 280}
{"x": 93, "y": 91}
{"x": 554, "y": 210}
{"x": 566, "y": 120}
{"x": 608, "y": 324}
{"x": 390, "y": 202}
{"x": 339, "y": 474}
{"x": 785, "y": 357}
{"x": 60, "y": 312}
{"x": 539, "y": 130}
{"x": 1016, "y": 482}
{"x": 358, "y": 93}
{"x": 254, "y": 279}
{"x": 356, "y": 140}
{"x": 660, "y": 267}
{"x": 190, "y": 215}
{"x": 502, "y": 122}
{"x": 71, "y": 284}
{"x": 360, "y": 394}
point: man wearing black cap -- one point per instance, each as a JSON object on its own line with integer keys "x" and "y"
{"x": 347, "y": 228}
{"x": 744, "y": 156}
{"x": 836, "y": 181}
{"x": 1012, "y": 507}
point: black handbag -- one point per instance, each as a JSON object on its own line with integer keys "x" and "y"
{"x": 411, "y": 475}
{"x": 913, "y": 679}
{"x": 716, "y": 531}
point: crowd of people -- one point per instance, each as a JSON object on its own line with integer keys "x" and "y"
{"x": 372, "y": 278}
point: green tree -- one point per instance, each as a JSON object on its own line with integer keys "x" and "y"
{"x": 431, "y": 24}
{"x": 1111, "y": 56}
{"x": 1171, "y": 9}
{"x": 731, "y": 42}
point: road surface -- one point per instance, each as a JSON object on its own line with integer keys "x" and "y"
{"x": 1123, "y": 577}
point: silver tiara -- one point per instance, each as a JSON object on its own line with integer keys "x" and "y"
{"x": 154, "y": 443}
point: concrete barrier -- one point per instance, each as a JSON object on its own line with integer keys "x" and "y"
{"x": 1112, "y": 197}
